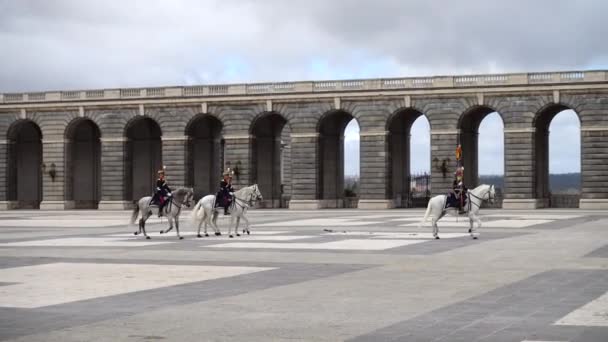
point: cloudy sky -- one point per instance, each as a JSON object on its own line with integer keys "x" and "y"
{"x": 49, "y": 45}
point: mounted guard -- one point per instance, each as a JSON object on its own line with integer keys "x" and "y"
{"x": 225, "y": 194}
{"x": 457, "y": 195}
{"x": 162, "y": 192}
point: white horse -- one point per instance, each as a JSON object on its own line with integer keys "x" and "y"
{"x": 181, "y": 197}
{"x": 205, "y": 212}
{"x": 436, "y": 208}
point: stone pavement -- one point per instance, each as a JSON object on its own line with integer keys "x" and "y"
{"x": 331, "y": 275}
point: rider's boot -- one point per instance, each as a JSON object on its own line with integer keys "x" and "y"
{"x": 460, "y": 209}
{"x": 225, "y": 210}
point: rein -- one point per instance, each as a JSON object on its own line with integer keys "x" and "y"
{"x": 481, "y": 199}
{"x": 172, "y": 202}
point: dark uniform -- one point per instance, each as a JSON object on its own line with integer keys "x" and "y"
{"x": 161, "y": 192}
{"x": 223, "y": 198}
{"x": 459, "y": 191}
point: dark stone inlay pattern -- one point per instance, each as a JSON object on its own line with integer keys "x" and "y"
{"x": 601, "y": 252}
{"x": 515, "y": 312}
{"x": 16, "y": 322}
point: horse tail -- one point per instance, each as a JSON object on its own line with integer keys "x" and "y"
{"x": 194, "y": 214}
{"x": 426, "y": 215}
{"x": 135, "y": 214}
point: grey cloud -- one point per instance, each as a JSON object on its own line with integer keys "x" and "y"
{"x": 84, "y": 44}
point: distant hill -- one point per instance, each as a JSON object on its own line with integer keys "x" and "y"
{"x": 562, "y": 182}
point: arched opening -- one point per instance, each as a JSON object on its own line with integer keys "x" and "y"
{"x": 469, "y": 138}
{"x": 352, "y": 163}
{"x": 204, "y": 154}
{"x": 558, "y": 157}
{"x": 266, "y": 158}
{"x": 83, "y": 164}
{"x": 143, "y": 157}
{"x": 491, "y": 153}
{"x": 25, "y": 163}
{"x": 409, "y": 147}
{"x": 331, "y": 158}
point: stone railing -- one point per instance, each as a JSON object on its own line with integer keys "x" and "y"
{"x": 568, "y": 77}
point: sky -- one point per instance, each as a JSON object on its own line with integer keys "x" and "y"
{"x": 56, "y": 45}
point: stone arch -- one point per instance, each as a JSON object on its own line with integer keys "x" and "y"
{"x": 25, "y": 154}
{"x": 330, "y": 128}
{"x": 143, "y": 156}
{"x": 468, "y": 137}
{"x": 82, "y": 164}
{"x": 399, "y": 126}
{"x": 542, "y": 121}
{"x": 205, "y": 153}
{"x": 267, "y": 159}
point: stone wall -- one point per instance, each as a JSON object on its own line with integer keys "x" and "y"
{"x": 305, "y": 159}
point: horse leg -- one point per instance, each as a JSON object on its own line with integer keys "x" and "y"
{"x": 214, "y": 220}
{"x": 170, "y": 219}
{"x": 236, "y": 228}
{"x": 200, "y": 223}
{"x": 471, "y": 229}
{"x": 247, "y": 224}
{"x": 230, "y": 226}
{"x": 435, "y": 227}
{"x": 139, "y": 228}
{"x": 476, "y": 219}
{"x": 176, "y": 219}
{"x": 143, "y": 225}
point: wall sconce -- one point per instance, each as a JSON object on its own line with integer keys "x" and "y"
{"x": 236, "y": 169}
{"x": 52, "y": 170}
{"x": 443, "y": 168}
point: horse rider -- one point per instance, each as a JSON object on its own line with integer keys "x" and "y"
{"x": 226, "y": 192}
{"x": 458, "y": 190}
{"x": 162, "y": 192}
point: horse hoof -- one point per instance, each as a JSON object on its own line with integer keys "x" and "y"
{"x": 474, "y": 237}
{"x": 436, "y": 237}
{"x": 147, "y": 237}
{"x": 199, "y": 236}
{"x": 135, "y": 233}
{"x": 181, "y": 237}
{"x": 238, "y": 234}
{"x": 231, "y": 236}
{"x": 206, "y": 234}
{"x": 469, "y": 230}
{"x": 162, "y": 232}
{"x": 248, "y": 233}
{"x": 218, "y": 233}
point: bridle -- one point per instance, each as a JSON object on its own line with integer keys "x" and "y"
{"x": 488, "y": 192}
{"x": 250, "y": 202}
{"x": 181, "y": 205}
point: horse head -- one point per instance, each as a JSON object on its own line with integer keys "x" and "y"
{"x": 187, "y": 196}
{"x": 491, "y": 194}
{"x": 257, "y": 193}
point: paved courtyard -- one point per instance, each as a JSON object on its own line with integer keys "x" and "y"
{"x": 332, "y": 275}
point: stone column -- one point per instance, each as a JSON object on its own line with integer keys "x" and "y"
{"x": 174, "y": 159}
{"x": 520, "y": 165}
{"x": 113, "y": 175}
{"x": 374, "y": 163}
{"x": 5, "y": 204}
{"x": 304, "y": 171}
{"x": 237, "y": 149}
{"x": 443, "y": 160}
{"x": 53, "y": 174}
{"x": 594, "y": 175}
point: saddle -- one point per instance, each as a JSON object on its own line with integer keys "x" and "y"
{"x": 453, "y": 201}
